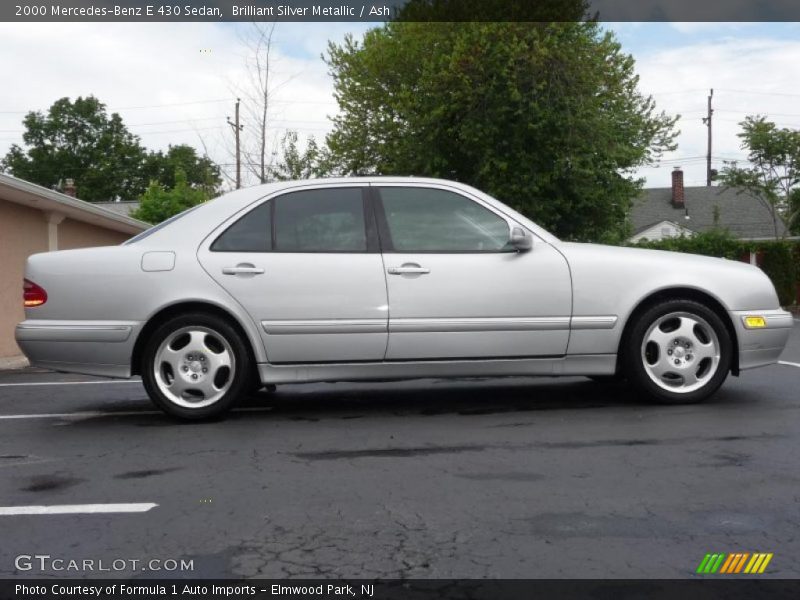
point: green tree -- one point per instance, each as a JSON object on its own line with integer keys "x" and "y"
{"x": 81, "y": 141}
{"x": 159, "y": 203}
{"x": 545, "y": 116}
{"x": 773, "y": 173}
{"x": 200, "y": 171}
{"x": 794, "y": 211}
{"x": 299, "y": 164}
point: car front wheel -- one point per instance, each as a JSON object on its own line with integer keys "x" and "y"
{"x": 678, "y": 352}
{"x": 196, "y": 366}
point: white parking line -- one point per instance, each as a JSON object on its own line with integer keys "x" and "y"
{"x": 121, "y": 413}
{"x": 82, "y": 415}
{"x": 77, "y": 509}
{"x": 791, "y": 364}
{"x": 67, "y": 382}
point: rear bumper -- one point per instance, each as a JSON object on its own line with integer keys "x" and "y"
{"x": 91, "y": 347}
{"x": 763, "y": 346}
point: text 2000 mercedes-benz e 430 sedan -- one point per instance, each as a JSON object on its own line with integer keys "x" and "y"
{"x": 387, "y": 278}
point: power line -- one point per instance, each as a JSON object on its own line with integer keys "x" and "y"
{"x": 304, "y": 102}
{"x": 180, "y": 130}
{"x": 778, "y": 123}
{"x": 170, "y": 122}
{"x": 754, "y": 92}
{"x": 760, "y": 93}
{"x": 768, "y": 113}
{"x": 170, "y": 104}
{"x": 309, "y": 129}
{"x": 279, "y": 125}
{"x": 675, "y": 92}
{"x": 280, "y": 121}
{"x": 24, "y": 112}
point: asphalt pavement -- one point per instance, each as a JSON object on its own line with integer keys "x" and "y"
{"x": 510, "y": 478}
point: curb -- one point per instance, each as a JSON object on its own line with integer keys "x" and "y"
{"x": 13, "y": 362}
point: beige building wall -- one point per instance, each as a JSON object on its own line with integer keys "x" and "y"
{"x": 25, "y": 231}
{"x": 74, "y": 234}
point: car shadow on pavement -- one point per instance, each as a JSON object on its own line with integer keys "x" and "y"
{"x": 465, "y": 397}
{"x": 437, "y": 397}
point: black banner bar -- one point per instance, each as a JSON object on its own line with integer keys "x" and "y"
{"x": 732, "y": 588}
{"x": 413, "y": 10}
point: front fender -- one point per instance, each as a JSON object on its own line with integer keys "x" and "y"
{"x": 611, "y": 280}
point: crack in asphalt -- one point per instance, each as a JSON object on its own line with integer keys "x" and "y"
{"x": 387, "y": 452}
{"x": 145, "y": 473}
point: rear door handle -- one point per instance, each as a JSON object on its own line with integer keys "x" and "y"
{"x": 408, "y": 270}
{"x": 243, "y": 269}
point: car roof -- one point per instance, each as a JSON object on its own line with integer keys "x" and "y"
{"x": 196, "y": 224}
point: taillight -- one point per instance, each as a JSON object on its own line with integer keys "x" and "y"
{"x": 32, "y": 294}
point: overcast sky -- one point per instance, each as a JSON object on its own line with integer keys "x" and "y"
{"x": 176, "y": 83}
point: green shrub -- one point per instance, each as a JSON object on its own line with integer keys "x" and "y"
{"x": 780, "y": 260}
{"x": 715, "y": 242}
{"x": 780, "y": 266}
{"x": 796, "y": 255}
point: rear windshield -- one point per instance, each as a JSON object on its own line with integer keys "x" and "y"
{"x": 154, "y": 228}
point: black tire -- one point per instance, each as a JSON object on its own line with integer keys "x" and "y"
{"x": 255, "y": 385}
{"x": 241, "y": 375}
{"x": 634, "y": 364}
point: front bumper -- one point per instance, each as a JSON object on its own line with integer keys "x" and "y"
{"x": 91, "y": 347}
{"x": 761, "y": 346}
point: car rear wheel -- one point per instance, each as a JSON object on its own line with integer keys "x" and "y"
{"x": 196, "y": 366}
{"x": 678, "y": 352}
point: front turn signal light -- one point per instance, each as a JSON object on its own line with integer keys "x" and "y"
{"x": 755, "y": 322}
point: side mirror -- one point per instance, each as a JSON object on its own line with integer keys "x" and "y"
{"x": 521, "y": 239}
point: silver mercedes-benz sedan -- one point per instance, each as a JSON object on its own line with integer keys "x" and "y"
{"x": 387, "y": 278}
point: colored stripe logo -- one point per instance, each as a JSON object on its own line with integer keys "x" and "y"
{"x": 737, "y": 562}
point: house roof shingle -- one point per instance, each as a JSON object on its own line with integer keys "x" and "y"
{"x": 744, "y": 216}
{"x": 121, "y": 208}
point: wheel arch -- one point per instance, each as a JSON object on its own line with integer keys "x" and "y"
{"x": 681, "y": 293}
{"x": 173, "y": 310}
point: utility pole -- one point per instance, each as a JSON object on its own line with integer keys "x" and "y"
{"x": 236, "y": 129}
{"x": 707, "y": 121}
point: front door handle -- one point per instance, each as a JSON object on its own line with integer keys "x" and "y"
{"x": 408, "y": 269}
{"x": 243, "y": 269}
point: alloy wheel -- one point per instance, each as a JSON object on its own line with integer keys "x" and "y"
{"x": 194, "y": 366}
{"x": 680, "y": 352}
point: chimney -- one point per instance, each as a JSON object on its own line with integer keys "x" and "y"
{"x": 69, "y": 188}
{"x": 677, "y": 188}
